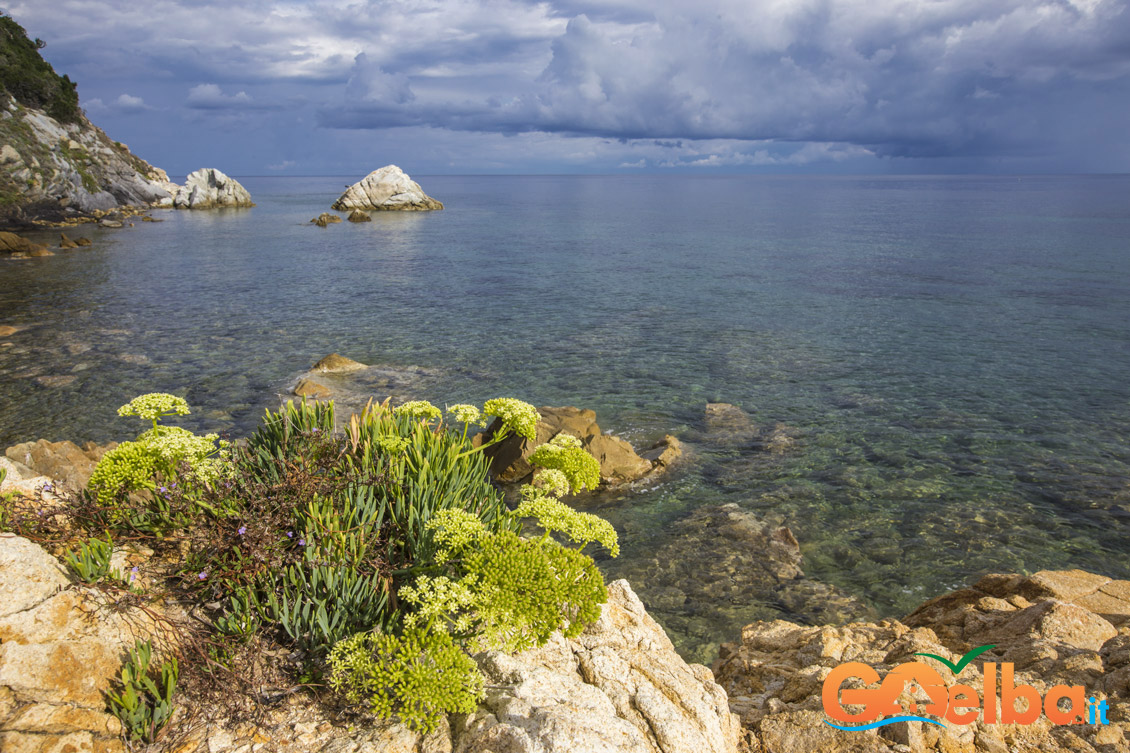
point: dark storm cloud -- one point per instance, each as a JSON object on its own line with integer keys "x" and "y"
{"x": 976, "y": 79}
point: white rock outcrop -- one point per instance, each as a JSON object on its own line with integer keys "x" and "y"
{"x": 208, "y": 188}
{"x": 389, "y": 188}
{"x": 619, "y": 687}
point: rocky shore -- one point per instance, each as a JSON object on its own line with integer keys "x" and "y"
{"x": 619, "y": 686}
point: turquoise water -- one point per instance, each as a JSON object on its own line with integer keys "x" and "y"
{"x": 954, "y": 352}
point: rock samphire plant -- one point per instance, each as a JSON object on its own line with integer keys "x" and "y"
{"x": 373, "y": 560}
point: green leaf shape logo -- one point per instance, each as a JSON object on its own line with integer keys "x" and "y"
{"x": 963, "y": 661}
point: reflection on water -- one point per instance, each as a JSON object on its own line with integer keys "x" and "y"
{"x": 951, "y": 353}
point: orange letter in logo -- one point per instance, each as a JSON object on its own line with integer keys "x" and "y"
{"x": 914, "y": 673}
{"x": 1010, "y": 694}
{"x": 1078, "y": 700}
{"x": 830, "y": 695}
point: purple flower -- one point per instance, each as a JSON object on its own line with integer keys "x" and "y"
{"x": 290, "y": 534}
{"x": 315, "y": 431}
{"x": 302, "y": 542}
{"x": 162, "y": 489}
{"x": 134, "y": 569}
{"x": 242, "y": 530}
{"x": 202, "y": 575}
{"x": 48, "y": 487}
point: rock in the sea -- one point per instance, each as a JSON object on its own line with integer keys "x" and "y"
{"x": 60, "y": 649}
{"x": 1070, "y": 628}
{"x": 358, "y": 216}
{"x": 10, "y": 243}
{"x": 208, "y": 188}
{"x": 112, "y": 224}
{"x": 333, "y": 363}
{"x": 719, "y": 568}
{"x": 65, "y": 242}
{"x": 325, "y": 218}
{"x": 619, "y": 687}
{"x": 310, "y": 388}
{"x": 83, "y": 242}
{"x": 64, "y": 461}
{"x": 388, "y": 188}
{"x": 619, "y": 463}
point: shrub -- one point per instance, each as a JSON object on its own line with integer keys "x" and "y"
{"x": 144, "y": 702}
{"x": 91, "y": 563}
{"x": 31, "y": 79}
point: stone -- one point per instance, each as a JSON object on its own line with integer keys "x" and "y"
{"x": 325, "y": 218}
{"x": 65, "y": 242}
{"x": 9, "y": 156}
{"x": 40, "y": 252}
{"x": 388, "y": 188}
{"x": 208, "y": 188}
{"x": 310, "y": 388}
{"x": 83, "y": 242}
{"x": 729, "y": 421}
{"x": 1039, "y": 623}
{"x": 60, "y": 650}
{"x": 619, "y": 687}
{"x": 619, "y": 463}
{"x": 56, "y": 380}
{"x": 358, "y": 216}
{"x": 112, "y": 224}
{"x": 11, "y": 243}
{"x": 6, "y": 330}
{"x": 70, "y": 465}
{"x": 664, "y": 453}
{"x": 333, "y": 363}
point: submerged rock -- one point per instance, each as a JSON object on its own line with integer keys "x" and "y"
{"x": 617, "y": 688}
{"x": 722, "y": 566}
{"x": 1066, "y": 627}
{"x": 65, "y": 242}
{"x": 619, "y": 463}
{"x": 358, "y": 216}
{"x": 208, "y": 188}
{"x": 310, "y": 388}
{"x": 388, "y": 188}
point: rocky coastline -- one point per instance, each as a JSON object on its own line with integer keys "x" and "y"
{"x": 619, "y": 686}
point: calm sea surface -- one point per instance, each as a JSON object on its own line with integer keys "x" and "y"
{"x": 954, "y": 352}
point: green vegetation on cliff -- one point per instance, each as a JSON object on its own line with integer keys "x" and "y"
{"x": 31, "y": 79}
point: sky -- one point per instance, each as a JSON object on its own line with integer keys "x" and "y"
{"x": 582, "y": 86}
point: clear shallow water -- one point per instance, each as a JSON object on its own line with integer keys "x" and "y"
{"x": 954, "y": 351}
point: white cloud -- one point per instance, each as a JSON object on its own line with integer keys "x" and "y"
{"x": 211, "y": 97}
{"x": 129, "y": 103}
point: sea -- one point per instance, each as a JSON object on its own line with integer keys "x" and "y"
{"x": 949, "y": 356}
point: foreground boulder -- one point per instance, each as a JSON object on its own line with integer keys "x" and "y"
{"x": 208, "y": 188}
{"x": 64, "y": 463}
{"x": 388, "y": 188}
{"x": 617, "y": 688}
{"x": 619, "y": 463}
{"x": 1070, "y": 628}
{"x": 60, "y": 649}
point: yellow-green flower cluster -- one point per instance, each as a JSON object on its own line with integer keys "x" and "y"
{"x": 154, "y": 406}
{"x": 418, "y": 409}
{"x": 466, "y": 414}
{"x": 129, "y": 466}
{"x": 521, "y": 418}
{"x": 581, "y": 527}
{"x": 455, "y": 531}
{"x": 564, "y": 453}
{"x": 550, "y": 481}
{"x": 418, "y": 675}
{"x": 525, "y": 590}
{"x": 441, "y": 603}
{"x": 175, "y": 445}
{"x": 390, "y": 444}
